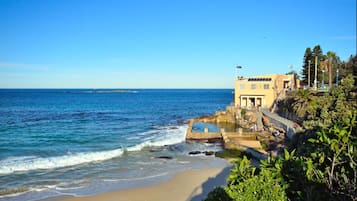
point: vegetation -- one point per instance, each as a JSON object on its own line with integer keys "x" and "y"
{"x": 321, "y": 163}
{"x": 323, "y": 62}
{"x": 243, "y": 111}
{"x": 229, "y": 154}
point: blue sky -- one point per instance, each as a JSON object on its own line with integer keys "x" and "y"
{"x": 164, "y": 43}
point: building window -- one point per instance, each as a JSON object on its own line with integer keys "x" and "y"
{"x": 253, "y": 86}
{"x": 266, "y": 86}
{"x": 242, "y": 86}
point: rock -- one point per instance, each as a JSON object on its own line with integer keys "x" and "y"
{"x": 182, "y": 121}
{"x": 274, "y": 153}
{"x": 224, "y": 117}
{"x": 276, "y": 133}
{"x": 204, "y": 119}
{"x": 208, "y": 153}
{"x": 176, "y": 148}
{"x": 195, "y": 152}
{"x": 250, "y": 116}
{"x": 266, "y": 121}
{"x": 164, "y": 157}
{"x": 211, "y": 141}
{"x": 155, "y": 149}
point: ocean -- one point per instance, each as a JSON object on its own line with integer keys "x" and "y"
{"x": 80, "y": 142}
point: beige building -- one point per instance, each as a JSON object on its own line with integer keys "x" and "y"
{"x": 261, "y": 91}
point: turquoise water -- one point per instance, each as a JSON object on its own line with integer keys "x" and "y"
{"x": 200, "y": 126}
{"x": 214, "y": 127}
{"x": 82, "y": 142}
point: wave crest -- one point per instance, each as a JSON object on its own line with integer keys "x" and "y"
{"x": 165, "y": 136}
{"x": 27, "y": 163}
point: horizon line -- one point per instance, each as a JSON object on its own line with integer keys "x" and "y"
{"x": 106, "y": 88}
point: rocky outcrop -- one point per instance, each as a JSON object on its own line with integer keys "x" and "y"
{"x": 250, "y": 117}
{"x": 207, "y": 153}
{"x": 218, "y": 117}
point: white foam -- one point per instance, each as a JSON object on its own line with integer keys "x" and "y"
{"x": 164, "y": 136}
{"x": 16, "y": 164}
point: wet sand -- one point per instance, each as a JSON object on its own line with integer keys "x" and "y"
{"x": 189, "y": 185}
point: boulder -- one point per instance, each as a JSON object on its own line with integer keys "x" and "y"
{"x": 250, "y": 116}
{"x": 266, "y": 121}
{"x": 208, "y": 153}
{"x": 194, "y": 152}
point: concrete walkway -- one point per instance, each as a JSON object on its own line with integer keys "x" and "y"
{"x": 280, "y": 122}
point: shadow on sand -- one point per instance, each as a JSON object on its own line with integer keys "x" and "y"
{"x": 210, "y": 184}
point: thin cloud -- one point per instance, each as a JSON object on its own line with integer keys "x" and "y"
{"x": 12, "y": 65}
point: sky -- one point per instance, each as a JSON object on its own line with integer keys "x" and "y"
{"x": 164, "y": 43}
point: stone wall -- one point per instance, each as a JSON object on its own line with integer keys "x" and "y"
{"x": 280, "y": 122}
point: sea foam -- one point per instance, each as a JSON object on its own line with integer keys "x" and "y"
{"x": 161, "y": 137}
{"x": 27, "y": 163}
{"x": 165, "y": 136}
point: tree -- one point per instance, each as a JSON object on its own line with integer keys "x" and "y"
{"x": 317, "y": 53}
{"x": 334, "y": 107}
{"x": 304, "y": 101}
{"x": 305, "y": 67}
{"x": 309, "y": 59}
{"x": 354, "y": 71}
{"x": 331, "y": 65}
{"x": 346, "y": 68}
{"x": 334, "y": 157}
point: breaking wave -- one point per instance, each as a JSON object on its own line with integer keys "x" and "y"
{"x": 27, "y": 163}
{"x": 161, "y": 137}
{"x": 166, "y": 136}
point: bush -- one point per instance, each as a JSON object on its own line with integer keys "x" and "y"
{"x": 261, "y": 187}
{"x": 243, "y": 111}
{"x": 248, "y": 183}
{"x": 229, "y": 154}
{"x": 218, "y": 194}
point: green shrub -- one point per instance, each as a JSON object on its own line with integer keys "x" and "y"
{"x": 218, "y": 194}
{"x": 261, "y": 187}
{"x": 228, "y": 153}
{"x": 243, "y": 111}
{"x": 248, "y": 183}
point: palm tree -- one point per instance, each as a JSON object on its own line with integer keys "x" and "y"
{"x": 303, "y": 102}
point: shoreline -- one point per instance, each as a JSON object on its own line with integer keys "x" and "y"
{"x": 187, "y": 185}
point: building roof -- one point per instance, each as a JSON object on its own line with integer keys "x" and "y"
{"x": 264, "y": 79}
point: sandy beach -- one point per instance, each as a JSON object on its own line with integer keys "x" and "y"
{"x": 189, "y": 185}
